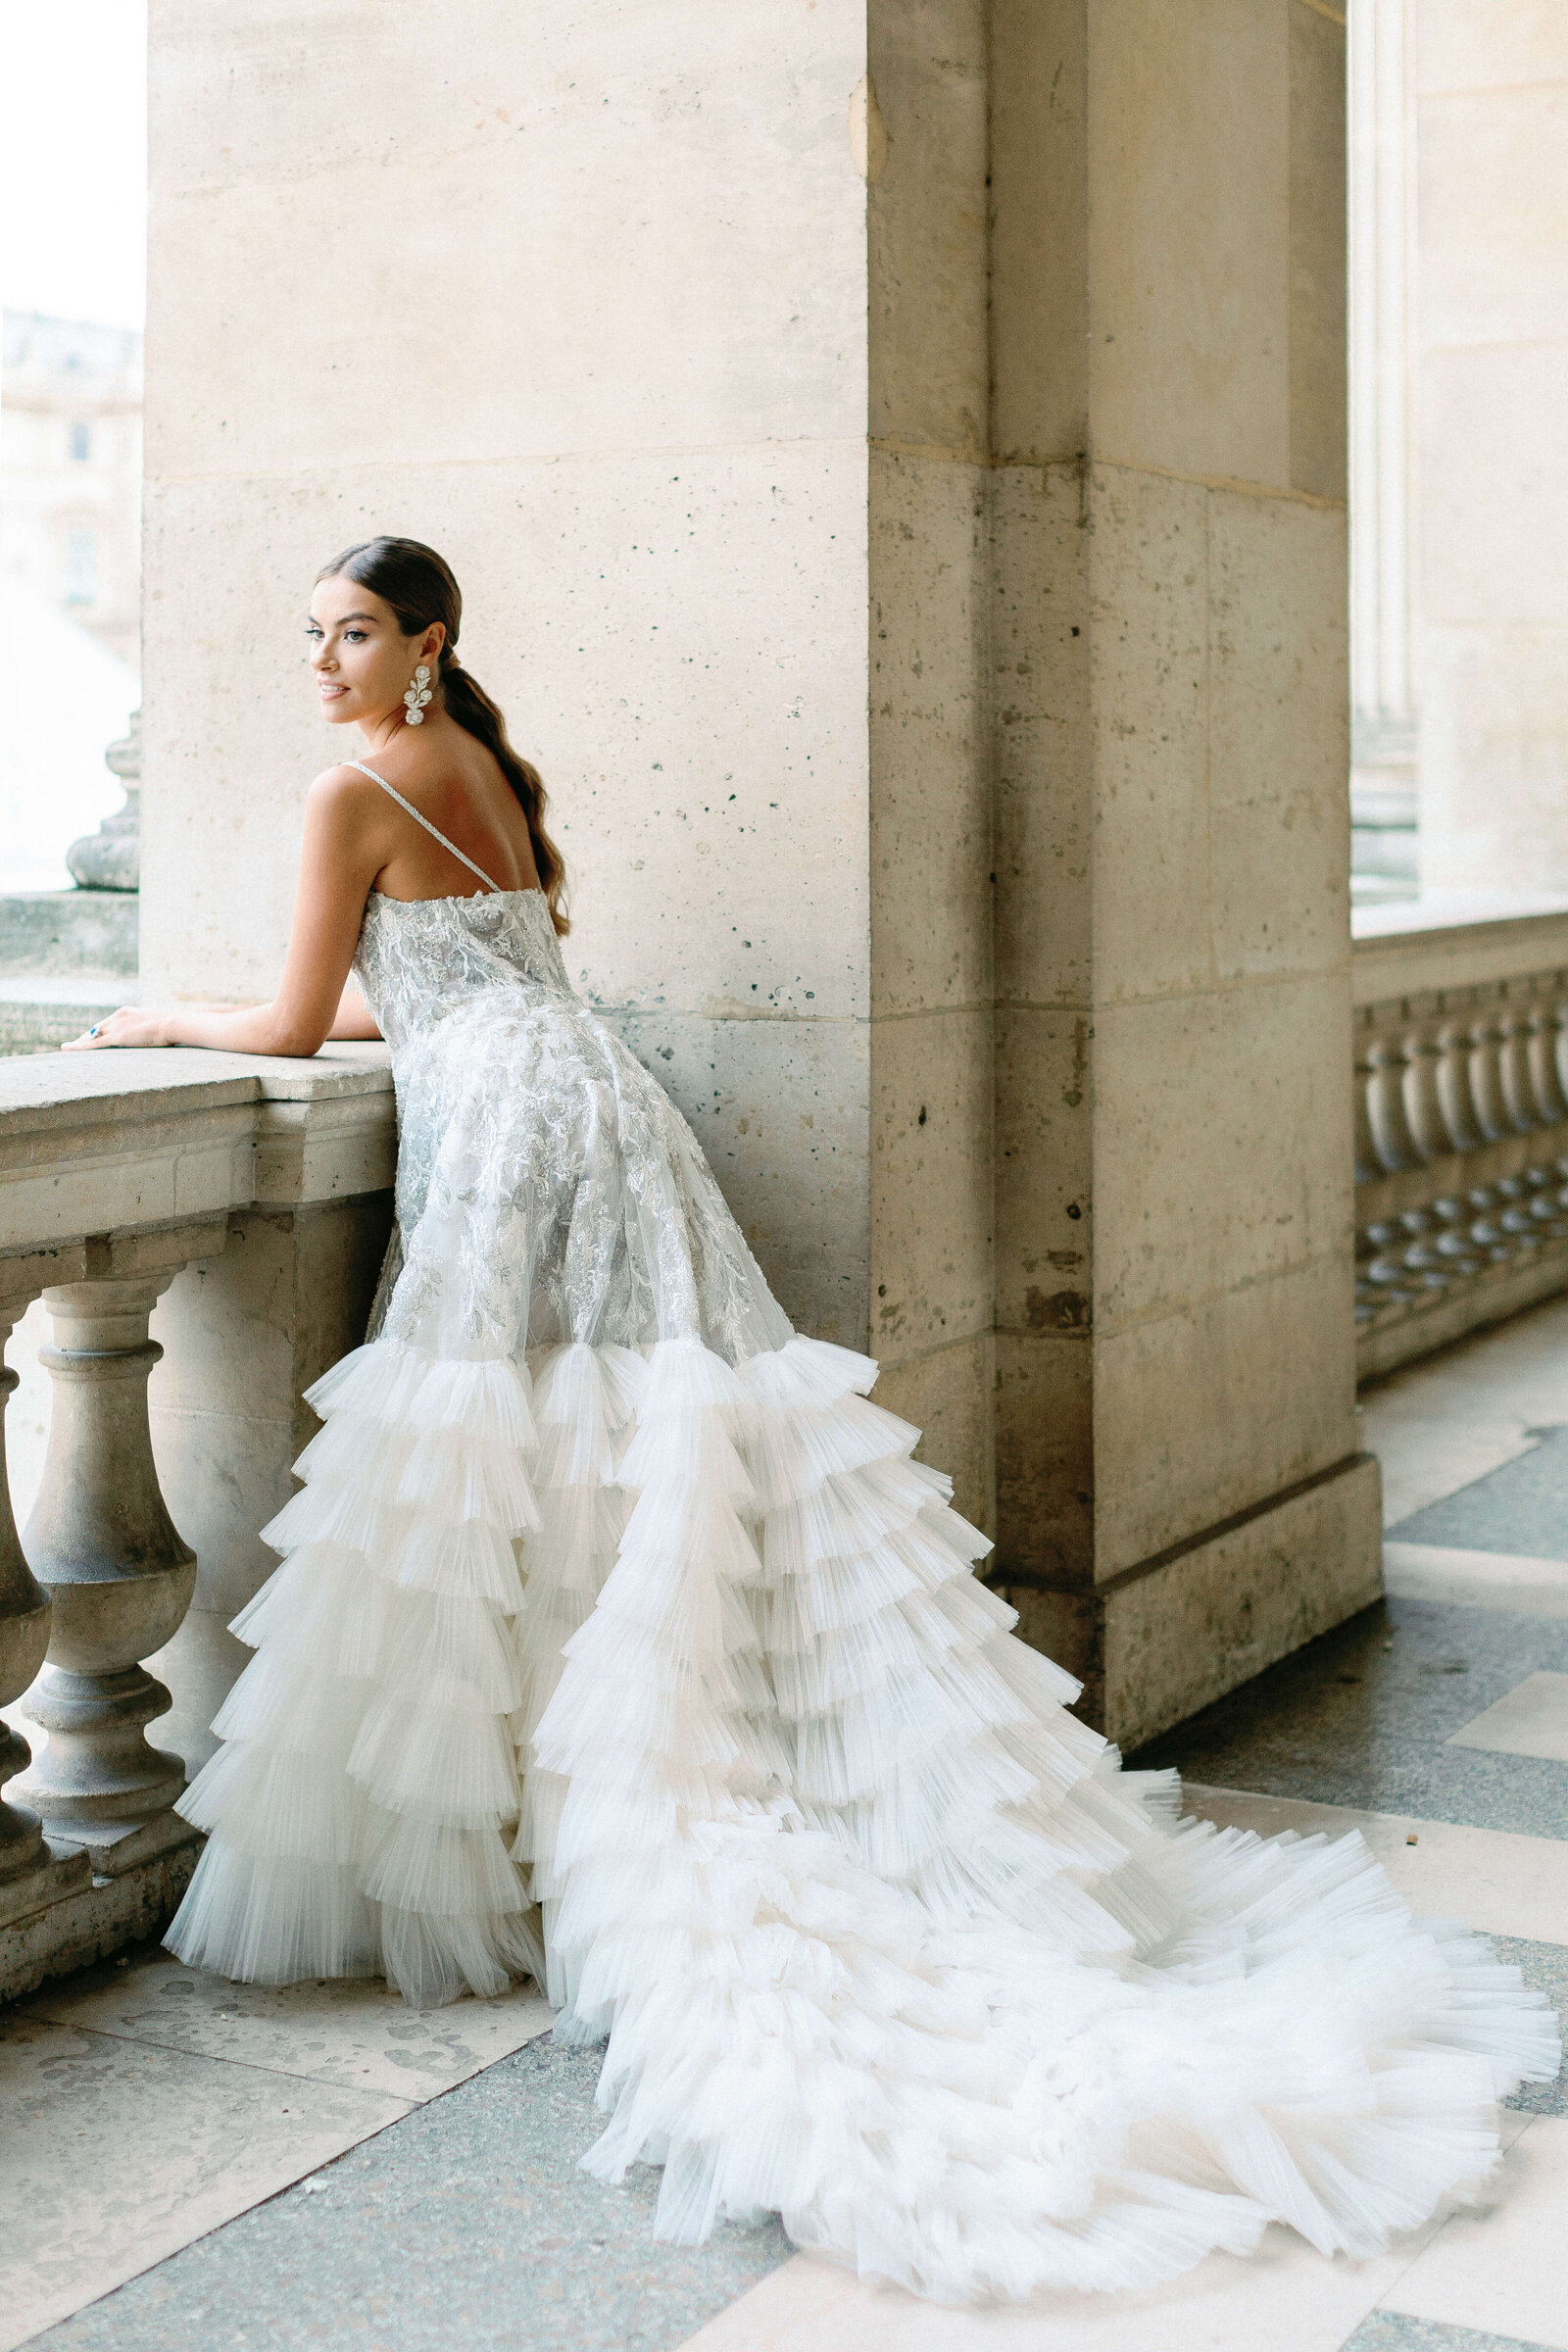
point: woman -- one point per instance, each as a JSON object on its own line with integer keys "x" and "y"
{"x": 881, "y": 1937}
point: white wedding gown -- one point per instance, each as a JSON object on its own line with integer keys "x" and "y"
{"x": 609, "y": 1593}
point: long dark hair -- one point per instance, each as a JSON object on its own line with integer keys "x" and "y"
{"x": 418, "y": 585}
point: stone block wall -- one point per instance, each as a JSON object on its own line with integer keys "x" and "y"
{"x": 1173, "y": 1325}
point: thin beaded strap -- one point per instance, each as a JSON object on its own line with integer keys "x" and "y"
{"x": 434, "y": 830}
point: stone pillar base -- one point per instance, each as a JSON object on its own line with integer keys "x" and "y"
{"x": 1157, "y": 1642}
{"x": 99, "y": 1916}
{"x": 64, "y": 1870}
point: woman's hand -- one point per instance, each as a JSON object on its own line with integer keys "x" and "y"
{"x": 130, "y": 1026}
{"x": 346, "y": 845}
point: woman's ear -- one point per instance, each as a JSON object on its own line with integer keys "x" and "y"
{"x": 435, "y": 637}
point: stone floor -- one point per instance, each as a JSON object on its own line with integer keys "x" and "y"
{"x": 187, "y": 2162}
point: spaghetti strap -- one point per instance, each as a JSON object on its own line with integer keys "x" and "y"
{"x": 429, "y": 828}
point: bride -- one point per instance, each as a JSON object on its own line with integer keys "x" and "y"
{"x": 618, "y": 1640}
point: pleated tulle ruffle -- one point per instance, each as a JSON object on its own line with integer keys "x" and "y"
{"x": 691, "y": 1656}
{"x": 369, "y": 1778}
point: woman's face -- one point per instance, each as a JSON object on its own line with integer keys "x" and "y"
{"x": 364, "y": 664}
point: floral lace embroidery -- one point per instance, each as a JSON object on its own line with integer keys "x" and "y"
{"x": 548, "y": 1188}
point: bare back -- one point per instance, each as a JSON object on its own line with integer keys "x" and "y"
{"x": 451, "y": 778}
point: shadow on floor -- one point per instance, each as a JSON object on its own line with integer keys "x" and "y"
{"x": 1359, "y": 1716}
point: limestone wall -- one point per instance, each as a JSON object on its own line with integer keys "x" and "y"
{"x": 1173, "y": 1201}
{"x": 929, "y": 752}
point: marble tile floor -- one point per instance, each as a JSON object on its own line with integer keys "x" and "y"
{"x": 466, "y": 2228}
{"x": 200, "y": 2166}
{"x": 1502, "y": 2268}
{"x": 144, "y": 2105}
{"x": 1530, "y": 1720}
{"x": 1439, "y": 1425}
{"x": 1365, "y": 1718}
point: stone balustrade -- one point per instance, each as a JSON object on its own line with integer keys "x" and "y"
{"x": 123, "y": 1178}
{"x": 1462, "y": 1126}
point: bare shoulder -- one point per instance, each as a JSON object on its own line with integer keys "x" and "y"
{"x": 343, "y": 795}
{"x": 348, "y": 817}
{"x": 343, "y": 783}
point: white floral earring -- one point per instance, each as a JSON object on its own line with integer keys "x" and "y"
{"x": 418, "y": 696}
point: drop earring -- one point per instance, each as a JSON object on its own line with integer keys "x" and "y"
{"x": 418, "y": 696}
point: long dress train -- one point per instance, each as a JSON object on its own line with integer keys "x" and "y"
{"x": 610, "y": 1593}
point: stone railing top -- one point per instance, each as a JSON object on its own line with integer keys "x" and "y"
{"x": 101, "y": 1145}
{"x": 1446, "y": 910}
{"x": 1462, "y": 939}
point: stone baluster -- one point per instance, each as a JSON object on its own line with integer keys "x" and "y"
{"x": 1485, "y": 1076}
{"x": 1514, "y": 1072}
{"x": 1514, "y": 1216}
{"x": 1484, "y": 1204}
{"x": 1560, "y": 1002}
{"x": 1542, "y": 1189}
{"x": 111, "y": 857}
{"x": 101, "y": 1542}
{"x": 1454, "y": 1093}
{"x": 1383, "y": 1268}
{"x": 1367, "y": 1163}
{"x": 1423, "y": 1257}
{"x": 1489, "y": 1064}
{"x": 1455, "y": 1245}
{"x": 1389, "y": 1063}
{"x": 1548, "y": 1016}
{"x": 1423, "y": 1093}
{"x": 31, "y": 1876}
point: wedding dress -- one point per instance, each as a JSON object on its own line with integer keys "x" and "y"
{"x": 609, "y": 1593}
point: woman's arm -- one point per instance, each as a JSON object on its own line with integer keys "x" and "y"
{"x": 354, "y": 1017}
{"x": 343, "y": 852}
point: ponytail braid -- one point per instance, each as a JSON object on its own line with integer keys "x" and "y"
{"x": 420, "y": 587}
{"x": 466, "y": 701}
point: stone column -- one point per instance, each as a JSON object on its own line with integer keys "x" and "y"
{"x": 1181, "y": 1494}
{"x": 1492, "y": 118}
{"x": 120, "y": 1576}
{"x": 33, "y": 1875}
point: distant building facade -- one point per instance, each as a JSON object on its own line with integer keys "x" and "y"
{"x": 70, "y": 396}
{"x": 1459, "y": 348}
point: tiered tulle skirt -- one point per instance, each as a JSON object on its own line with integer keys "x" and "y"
{"x": 667, "y": 1681}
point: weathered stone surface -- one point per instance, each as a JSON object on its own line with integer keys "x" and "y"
{"x": 68, "y": 932}
{"x": 93, "y": 1919}
{"x": 1179, "y": 1630}
{"x": 1172, "y": 1137}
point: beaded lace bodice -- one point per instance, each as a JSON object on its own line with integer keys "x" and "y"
{"x": 548, "y": 1188}
{"x": 419, "y": 958}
